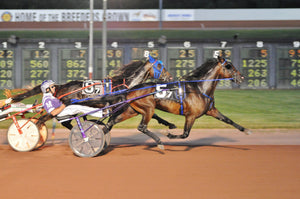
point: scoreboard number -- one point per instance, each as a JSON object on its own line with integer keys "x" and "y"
{"x": 41, "y": 44}
{"x": 78, "y": 45}
{"x": 181, "y": 60}
{"x": 36, "y": 65}
{"x": 151, "y": 44}
{"x": 288, "y": 67}
{"x": 255, "y": 67}
{"x": 187, "y": 44}
{"x": 4, "y": 44}
{"x": 259, "y": 44}
{"x": 146, "y": 53}
{"x": 223, "y": 51}
{"x": 114, "y": 44}
{"x": 140, "y": 53}
{"x": 114, "y": 57}
{"x": 7, "y": 68}
{"x": 223, "y": 44}
{"x": 72, "y": 64}
{"x": 296, "y": 44}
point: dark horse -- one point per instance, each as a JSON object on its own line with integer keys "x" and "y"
{"x": 126, "y": 77}
{"x": 197, "y": 99}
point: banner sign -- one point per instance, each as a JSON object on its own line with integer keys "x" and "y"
{"x": 76, "y": 15}
{"x": 149, "y": 15}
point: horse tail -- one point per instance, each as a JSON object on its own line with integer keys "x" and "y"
{"x": 8, "y": 94}
{"x": 29, "y": 93}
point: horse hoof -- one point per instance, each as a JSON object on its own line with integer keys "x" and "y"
{"x": 161, "y": 146}
{"x": 247, "y": 132}
{"x": 171, "y": 136}
{"x": 172, "y": 126}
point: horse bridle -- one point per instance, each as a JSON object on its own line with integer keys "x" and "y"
{"x": 154, "y": 63}
{"x": 157, "y": 71}
{"x": 233, "y": 73}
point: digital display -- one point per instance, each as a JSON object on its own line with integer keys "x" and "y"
{"x": 73, "y": 64}
{"x": 288, "y": 68}
{"x": 7, "y": 67}
{"x": 114, "y": 60}
{"x": 36, "y": 66}
{"x": 255, "y": 67}
{"x": 181, "y": 61}
{"x": 226, "y": 53}
{"x": 138, "y": 54}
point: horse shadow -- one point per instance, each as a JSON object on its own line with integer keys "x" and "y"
{"x": 170, "y": 145}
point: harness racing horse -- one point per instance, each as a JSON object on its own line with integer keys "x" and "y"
{"x": 198, "y": 99}
{"x": 126, "y": 77}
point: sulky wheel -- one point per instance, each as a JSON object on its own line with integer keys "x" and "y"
{"x": 107, "y": 137}
{"x": 26, "y": 139}
{"x": 89, "y": 146}
{"x": 43, "y": 134}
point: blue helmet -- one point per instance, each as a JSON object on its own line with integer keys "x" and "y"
{"x": 46, "y": 84}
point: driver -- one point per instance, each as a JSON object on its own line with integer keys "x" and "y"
{"x": 59, "y": 110}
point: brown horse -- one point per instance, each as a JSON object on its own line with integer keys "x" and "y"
{"x": 126, "y": 77}
{"x": 195, "y": 98}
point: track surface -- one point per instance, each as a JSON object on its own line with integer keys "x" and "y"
{"x": 219, "y": 163}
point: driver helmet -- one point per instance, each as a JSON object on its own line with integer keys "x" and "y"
{"x": 46, "y": 84}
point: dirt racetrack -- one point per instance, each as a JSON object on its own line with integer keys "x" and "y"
{"x": 219, "y": 164}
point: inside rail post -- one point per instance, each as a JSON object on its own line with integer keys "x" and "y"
{"x": 91, "y": 39}
{"x": 104, "y": 38}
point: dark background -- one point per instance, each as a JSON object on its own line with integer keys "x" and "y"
{"x": 147, "y": 4}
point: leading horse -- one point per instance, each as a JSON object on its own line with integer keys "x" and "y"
{"x": 195, "y": 98}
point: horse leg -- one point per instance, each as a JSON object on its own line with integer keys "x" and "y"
{"x": 164, "y": 122}
{"x": 189, "y": 121}
{"x": 143, "y": 128}
{"x": 119, "y": 117}
{"x": 218, "y": 115}
{"x": 43, "y": 119}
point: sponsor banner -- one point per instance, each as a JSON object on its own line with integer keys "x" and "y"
{"x": 179, "y": 15}
{"x": 76, "y": 15}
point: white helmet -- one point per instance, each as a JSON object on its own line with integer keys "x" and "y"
{"x": 46, "y": 84}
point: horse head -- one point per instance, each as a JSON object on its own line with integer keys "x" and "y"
{"x": 229, "y": 71}
{"x": 157, "y": 69}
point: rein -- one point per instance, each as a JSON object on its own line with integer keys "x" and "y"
{"x": 75, "y": 91}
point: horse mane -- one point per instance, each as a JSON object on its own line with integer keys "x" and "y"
{"x": 201, "y": 71}
{"x": 71, "y": 83}
{"x": 128, "y": 71}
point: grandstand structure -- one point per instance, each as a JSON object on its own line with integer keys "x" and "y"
{"x": 150, "y": 19}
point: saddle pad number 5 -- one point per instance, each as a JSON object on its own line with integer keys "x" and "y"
{"x": 161, "y": 92}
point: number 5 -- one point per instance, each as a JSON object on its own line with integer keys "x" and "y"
{"x": 161, "y": 94}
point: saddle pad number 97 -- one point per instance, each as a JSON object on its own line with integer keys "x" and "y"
{"x": 95, "y": 87}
